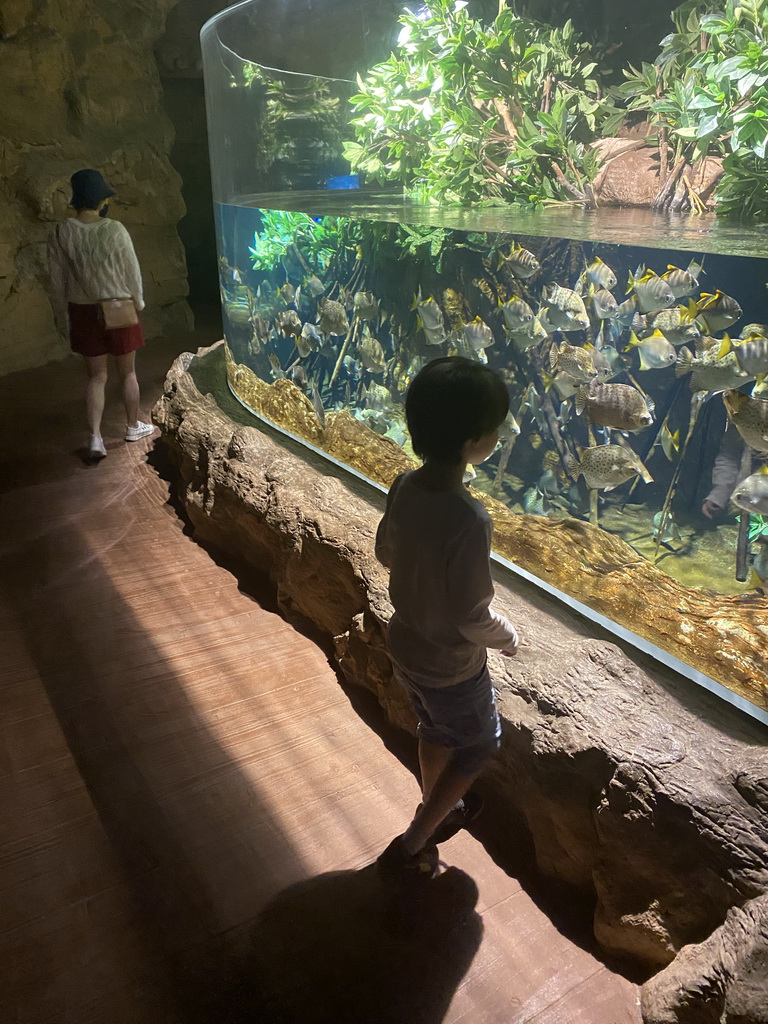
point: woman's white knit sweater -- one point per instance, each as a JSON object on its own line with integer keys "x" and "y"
{"x": 93, "y": 261}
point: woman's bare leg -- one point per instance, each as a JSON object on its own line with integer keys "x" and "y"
{"x": 126, "y": 368}
{"x": 96, "y": 367}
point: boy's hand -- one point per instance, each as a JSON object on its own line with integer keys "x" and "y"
{"x": 509, "y": 654}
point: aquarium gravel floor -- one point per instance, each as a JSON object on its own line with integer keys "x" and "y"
{"x": 189, "y": 801}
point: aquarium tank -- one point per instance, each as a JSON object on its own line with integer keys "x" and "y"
{"x": 494, "y": 180}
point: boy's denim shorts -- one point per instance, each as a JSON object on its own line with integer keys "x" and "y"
{"x": 462, "y": 716}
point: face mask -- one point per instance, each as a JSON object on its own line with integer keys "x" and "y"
{"x": 104, "y": 210}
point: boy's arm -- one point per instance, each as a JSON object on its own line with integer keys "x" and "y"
{"x": 470, "y": 592}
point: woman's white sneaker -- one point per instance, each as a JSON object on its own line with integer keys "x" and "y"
{"x": 96, "y": 449}
{"x": 139, "y": 431}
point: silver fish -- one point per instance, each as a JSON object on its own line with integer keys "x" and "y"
{"x": 655, "y": 352}
{"x": 682, "y": 282}
{"x": 607, "y": 361}
{"x": 752, "y": 494}
{"x": 604, "y": 305}
{"x": 752, "y": 354}
{"x": 517, "y": 314}
{"x": 666, "y": 533}
{"x": 652, "y": 292}
{"x": 627, "y": 310}
{"x": 275, "y": 369}
{"x": 478, "y": 334}
{"x": 600, "y": 274}
{"x": 521, "y": 262}
{"x": 314, "y": 286}
{"x": 529, "y": 336}
{"x": 509, "y": 428}
{"x": 719, "y": 310}
{"x": 430, "y": 314}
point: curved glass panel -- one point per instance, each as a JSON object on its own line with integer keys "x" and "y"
{"x": 335, "y": 293}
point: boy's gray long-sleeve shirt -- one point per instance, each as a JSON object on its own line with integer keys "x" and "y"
{"x": 437, "y": 546}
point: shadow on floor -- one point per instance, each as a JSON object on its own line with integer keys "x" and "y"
{"x": 343, "y": 948}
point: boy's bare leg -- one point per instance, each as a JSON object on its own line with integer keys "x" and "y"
{"x": 432, "y": 759}
{"x": 445, "y": 792}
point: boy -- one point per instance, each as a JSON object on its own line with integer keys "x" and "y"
{"x": 435, "y": 539}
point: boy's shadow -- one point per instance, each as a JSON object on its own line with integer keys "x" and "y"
{"x": 344, "y": 948}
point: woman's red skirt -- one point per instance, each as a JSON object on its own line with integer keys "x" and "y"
{"x": 89, "y": 337}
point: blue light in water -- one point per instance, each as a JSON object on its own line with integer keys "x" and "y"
{"x": 343, "y": 181}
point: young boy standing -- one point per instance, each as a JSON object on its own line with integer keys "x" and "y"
{"x": 435, "y": 539}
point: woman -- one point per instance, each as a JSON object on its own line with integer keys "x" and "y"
{"x": 93, "y": 259}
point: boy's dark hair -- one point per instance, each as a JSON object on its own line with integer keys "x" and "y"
{"x": 451, "y": 401}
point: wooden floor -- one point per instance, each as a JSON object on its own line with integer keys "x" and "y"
{"x": 188, "y": 801}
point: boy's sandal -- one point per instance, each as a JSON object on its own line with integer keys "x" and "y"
{"x": 458, "y": 818}
{"x": 396, "y": 863}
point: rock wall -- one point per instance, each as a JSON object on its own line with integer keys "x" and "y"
{"x": 80, "y": 88}
{"x": 631, "y": 789}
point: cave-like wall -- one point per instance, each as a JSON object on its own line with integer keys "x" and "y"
{"x": 80, "y": 83}
{"x": 80, "y": 88}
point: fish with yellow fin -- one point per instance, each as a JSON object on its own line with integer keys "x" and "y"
{"x": 719, "y": 310}
{"x": 683, "y": 282}
{"x": 600, "y": 274}
{"x": 655, "y": 351}
{"x": 677, "y": 324}
{"x": 521, "y": 262}
{"x": 651, "y": 291}
{"x": 752, "y": 353}
{"x": 604, "y": 304}
{"x": 670, "y": 441}
{"x": 715, "y": 368}
{"x": 517, "y": 314}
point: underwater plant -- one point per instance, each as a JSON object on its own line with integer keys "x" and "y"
{"x": 464, "y": 112}
{"x": 758, "y": 527}
{"x": 312, "y": 242}
{"x": 707, "y": 94}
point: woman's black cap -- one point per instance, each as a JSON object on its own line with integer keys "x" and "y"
{"x": 88, "y": 189}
